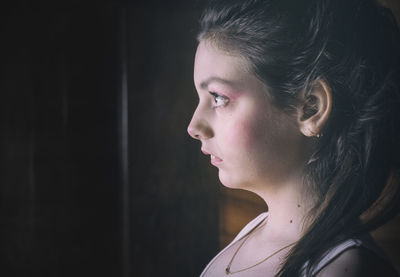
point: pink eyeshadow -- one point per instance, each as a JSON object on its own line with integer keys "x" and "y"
{"x": 234, "y": 95}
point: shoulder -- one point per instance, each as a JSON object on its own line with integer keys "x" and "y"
{"x": 355, "y": 262}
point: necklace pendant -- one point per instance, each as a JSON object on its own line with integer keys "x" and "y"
{"x": 227, "y": 271}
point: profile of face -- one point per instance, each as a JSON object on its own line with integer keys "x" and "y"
{"x": 251, "y": 142}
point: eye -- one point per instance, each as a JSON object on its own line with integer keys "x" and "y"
{"x": 219, "y": 100}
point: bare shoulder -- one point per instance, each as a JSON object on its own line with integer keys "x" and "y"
{"x": 357, "y": 262}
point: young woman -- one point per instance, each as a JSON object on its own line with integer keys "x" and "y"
{"x": 299, "y": 103}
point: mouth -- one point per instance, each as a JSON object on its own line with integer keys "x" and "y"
{"x": 214, "y": 159}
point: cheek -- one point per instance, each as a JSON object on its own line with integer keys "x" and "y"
{"x": 255, "y": 138}
{"x": 244, "y": 134}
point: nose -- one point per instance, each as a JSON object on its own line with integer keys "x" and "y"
{"x": 199, "y": 128}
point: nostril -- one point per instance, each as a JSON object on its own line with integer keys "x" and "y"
{"x": 192, "y": 132}
{"x": 199, "y": 130}
{"x": 195, "y": 135}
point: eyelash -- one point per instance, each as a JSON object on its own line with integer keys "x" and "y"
{"x": 217, "y": 96}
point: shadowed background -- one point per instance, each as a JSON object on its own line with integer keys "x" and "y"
{"x": 98, "y": 175}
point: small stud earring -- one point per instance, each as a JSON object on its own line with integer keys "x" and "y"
{"x": 312, "y": 134}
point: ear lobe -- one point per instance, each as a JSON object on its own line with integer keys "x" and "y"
{"x": 315, "y": 109}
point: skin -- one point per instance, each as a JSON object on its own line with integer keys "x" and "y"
{"x": 259, "y": 148}
{"x": 262, "y": 149}
{"x": 256, "y": 142}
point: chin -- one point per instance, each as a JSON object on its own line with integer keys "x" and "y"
{"x": 230, "y": 181}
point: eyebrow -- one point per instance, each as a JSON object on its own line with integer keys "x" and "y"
{"x": 209, "y": 80}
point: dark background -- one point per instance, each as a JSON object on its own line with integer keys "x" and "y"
{"x": 75, "y": 199}
{"x": 98, "y": 176}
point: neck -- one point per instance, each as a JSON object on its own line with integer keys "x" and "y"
{"x": 288, "y": 207}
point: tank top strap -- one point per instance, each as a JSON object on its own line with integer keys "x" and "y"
{"x": 335, "y": 252}
{"x": 364, "y": 241}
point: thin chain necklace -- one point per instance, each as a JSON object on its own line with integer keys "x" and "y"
{"x": 228, "y": 268}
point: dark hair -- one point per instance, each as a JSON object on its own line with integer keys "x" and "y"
{"x": 353, "y": 46}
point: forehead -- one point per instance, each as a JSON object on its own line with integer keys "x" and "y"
{"x": 212, "y": 62}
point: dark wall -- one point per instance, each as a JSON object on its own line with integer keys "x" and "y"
{"x": 169, "y": 175}
{"x": 58, "y": 212}
{"x": 64, "y": 207}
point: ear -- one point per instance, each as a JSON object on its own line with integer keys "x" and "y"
{"x": 315, "y": 109}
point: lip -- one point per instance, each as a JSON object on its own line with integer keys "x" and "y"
{"x": 214, "y": 159}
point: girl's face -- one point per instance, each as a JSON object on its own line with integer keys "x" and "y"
{"x": 251, "y": 142}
